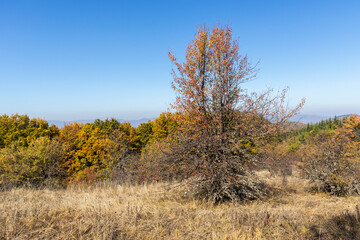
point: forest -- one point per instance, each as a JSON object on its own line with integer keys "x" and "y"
{"x": 220, "y": 149}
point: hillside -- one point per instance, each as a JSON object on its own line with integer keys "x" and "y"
{"x": 291, "y": 125}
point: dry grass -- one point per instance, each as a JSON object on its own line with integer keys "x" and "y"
{"x": 154, "y": 212}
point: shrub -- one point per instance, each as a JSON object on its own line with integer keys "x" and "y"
{"x": 329, "y": 162}
{"x": 279, "y": 157}
{"x": 38, "y": 164}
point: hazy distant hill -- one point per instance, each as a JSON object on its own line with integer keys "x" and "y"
{"x": 295, "y": 122}
{"x": 294, "y": 125}
{"x": 307, "y": 118}
{"x": 134, "y": 123}
{"x": 300, "y": 121}
{"x": 343, "y": 116}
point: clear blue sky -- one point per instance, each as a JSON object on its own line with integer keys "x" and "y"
{"x": 68, "y": 60}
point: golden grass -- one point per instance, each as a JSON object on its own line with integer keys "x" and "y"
{"x": 155, "y": 212}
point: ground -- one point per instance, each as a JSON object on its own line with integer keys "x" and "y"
{"x": 157, "y": 211}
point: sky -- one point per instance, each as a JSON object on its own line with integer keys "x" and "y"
{"x": 70, "y": 60}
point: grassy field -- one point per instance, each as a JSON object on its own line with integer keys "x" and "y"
{"x": 157, "y": 212}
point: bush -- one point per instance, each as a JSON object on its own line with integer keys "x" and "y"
{"x": 328, "y": 161}
{"x": 279, "y": 157}
{"x": 38, "y": 164}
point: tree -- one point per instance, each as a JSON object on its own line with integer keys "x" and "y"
{"x": 23, "y": 129}
{"x": 220, "y": 124}
{"x": 95, "y": 150}
{"x": 163, "y": 126}
{"x": 351, "y": 128}
{"x": 144, "y": 131}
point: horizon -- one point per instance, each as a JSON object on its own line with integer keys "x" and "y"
{"x": 301, "y": 118}
{"x": 148, "y": 118}
{"x": 65, "y": 60}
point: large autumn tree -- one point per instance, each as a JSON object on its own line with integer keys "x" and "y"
{"x": 221, "y": 125}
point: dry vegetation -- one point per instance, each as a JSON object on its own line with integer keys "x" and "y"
{"x": 155, "y": 212}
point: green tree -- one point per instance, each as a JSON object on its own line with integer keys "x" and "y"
{"x": 145, "y": 132}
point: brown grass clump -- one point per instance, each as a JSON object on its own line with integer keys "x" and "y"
{"x": 157, "y": 212}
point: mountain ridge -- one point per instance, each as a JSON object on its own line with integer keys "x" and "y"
{"x": 301, "y": 118}
{"x": 312, "y": 118}
{"x": 134, "y": 122}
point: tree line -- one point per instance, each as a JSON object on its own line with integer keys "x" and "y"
{"x": 33, "y": 152}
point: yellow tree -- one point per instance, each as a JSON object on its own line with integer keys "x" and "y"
{"x": 95, "y": 150}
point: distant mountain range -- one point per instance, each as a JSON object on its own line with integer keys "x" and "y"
{"x": 307, "y": 118}
{"x": 133, "y": 123}
{"x": 301, "y": 118}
